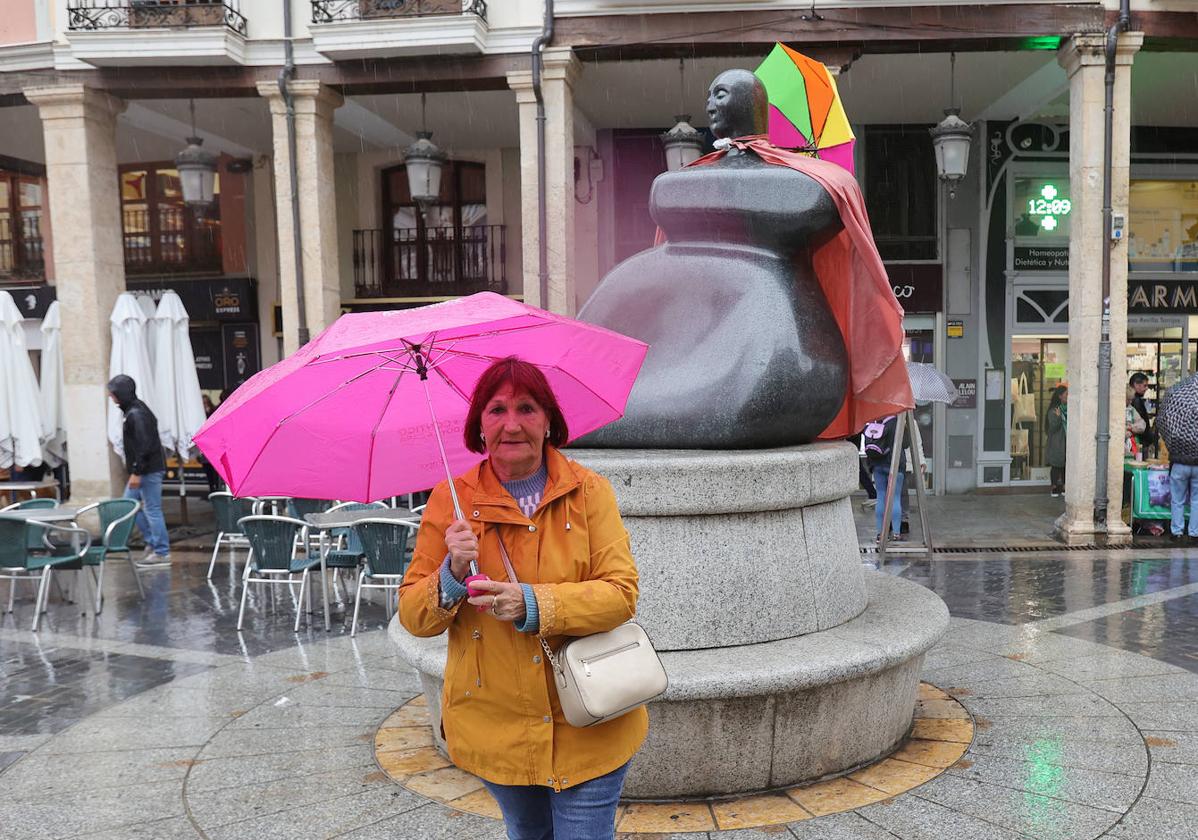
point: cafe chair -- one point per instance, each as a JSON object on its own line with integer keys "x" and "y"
{"x": 272, "y": 561}
{"x": 34, "y": 536}
{"x": 228, "y": 509}
{"x": 19, "y": 562}
{"x": 116, "y": 526}
{"x": 385, "y": 546}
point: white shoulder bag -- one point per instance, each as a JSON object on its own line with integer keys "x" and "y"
{"x": 604, "y": 675}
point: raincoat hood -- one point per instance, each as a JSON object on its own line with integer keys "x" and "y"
{"x": 124, "y": 389}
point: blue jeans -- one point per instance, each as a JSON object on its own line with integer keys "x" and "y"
{"x": 583, "y": 812}
{"x": 150, "y": 520}
{"x": 1183, "y": 484}
{"x": 881, "y": 480}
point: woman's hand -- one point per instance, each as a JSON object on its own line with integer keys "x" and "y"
{"x": 463, "y": 548}
{"x": 503, "y": 600}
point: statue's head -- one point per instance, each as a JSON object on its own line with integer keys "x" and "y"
{"x": 737, "y": 105}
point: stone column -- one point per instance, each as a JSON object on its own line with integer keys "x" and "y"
{"x": 314, "y": 107}
{"x": 85, "y": 213}
{"x": 1083, "y": 58}
{"x": 557, "y": 84}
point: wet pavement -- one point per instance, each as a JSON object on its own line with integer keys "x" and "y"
{"x": 158, "y": 720}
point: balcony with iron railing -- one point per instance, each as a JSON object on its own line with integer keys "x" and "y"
{"x": 22, "y": 251}
{"x": 430, "y": 262}
{"x": 155, "y": 32}
{"x": 353, "y": 29}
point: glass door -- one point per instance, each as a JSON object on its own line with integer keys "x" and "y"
{"x": 1038, "y": 366}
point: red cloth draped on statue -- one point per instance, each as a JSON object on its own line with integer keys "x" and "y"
{"x": 854, "y": 281}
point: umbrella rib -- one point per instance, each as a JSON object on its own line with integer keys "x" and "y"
{"x": 432, "y": 338}
{"x": 456, "y": 389}
{"x": 374, "y": 435}
{"x": 300, "y": 410}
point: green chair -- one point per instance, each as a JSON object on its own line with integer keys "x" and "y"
{"x": 228, "y": 510}
{"x": 272, "y": 539}
{"x": 299, "y": 507}
{"x": 35, "y": 536}
{"x": 347, "y": 551}
{"x": 385, "y": 543}
{"x": 116, "y": 526}
{"x": 18, "y": 562}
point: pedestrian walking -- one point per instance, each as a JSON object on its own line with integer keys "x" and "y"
{"x": 879, "y": 443}
{"x": 210, "y": 473}
{"x": 146, "y": 466}
{"x": 559, "y": 524}
{"x": 1177, "y": 426}
{"x": 1056, "y": 421}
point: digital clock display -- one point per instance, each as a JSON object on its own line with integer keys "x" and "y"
{"x": 1044, "y": 206}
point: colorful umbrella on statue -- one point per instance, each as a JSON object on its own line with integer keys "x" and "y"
{"x": 805, "y": 108}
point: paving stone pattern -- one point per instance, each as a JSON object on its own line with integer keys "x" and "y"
{"x": 157, "y": 720}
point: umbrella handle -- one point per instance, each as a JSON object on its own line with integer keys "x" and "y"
{"x": 471, "y": 592}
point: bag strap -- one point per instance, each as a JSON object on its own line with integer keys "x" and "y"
{"x": 511, "y": 574}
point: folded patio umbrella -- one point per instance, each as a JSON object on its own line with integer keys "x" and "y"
{"x": 375, "y": 405}
{"x": 53, "y": 408}
{"x": 130, "y": 356}
{"x": 180, "y": 408}
{"x": 20, "y": 419}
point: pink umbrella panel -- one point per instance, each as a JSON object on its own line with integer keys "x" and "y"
{"x": 349, "y": 416}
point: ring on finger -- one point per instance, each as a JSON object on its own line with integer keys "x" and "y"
{"x": 494, "y": 602}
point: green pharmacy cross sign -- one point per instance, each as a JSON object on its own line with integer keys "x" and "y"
{"x": 1049, "y": 208}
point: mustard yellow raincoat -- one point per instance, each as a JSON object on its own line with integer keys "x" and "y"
{"x": 500, "y": 712}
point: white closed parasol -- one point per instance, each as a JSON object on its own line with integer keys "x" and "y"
{"x": 180, "y": 407}
{"x": 20, "y": 420}
{"x": 54, "y": 419}
{"x": 130, "y": 356}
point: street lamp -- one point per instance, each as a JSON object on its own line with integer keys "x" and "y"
{"x": 683, "y": 143}
{"x": 197, "y": 171}
{"x": 951, "y": 140}
{"x": 951, "y": 137}
{"x": 423, "y": 162}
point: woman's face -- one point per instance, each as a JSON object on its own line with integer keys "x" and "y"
{"x": 514, "y": 429}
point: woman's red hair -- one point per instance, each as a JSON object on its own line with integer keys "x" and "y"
{"x": 524, "y": 377}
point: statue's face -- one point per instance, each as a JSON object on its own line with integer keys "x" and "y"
{"x": 736, "y": 104}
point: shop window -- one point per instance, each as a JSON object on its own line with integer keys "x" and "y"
{"x": 1042, "y": 208}
{"x": 900, "y": 191}
{"x": 1038, "y": 365}
{"x": 162, "y": 235}
{"x": 1163, "y": 226}
{"x": 22, "y": 255}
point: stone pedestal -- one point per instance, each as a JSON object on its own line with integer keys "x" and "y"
{"x": 89, "y": 259}
{"x": 314, "y": 106}
{"x": 787, "y": 663}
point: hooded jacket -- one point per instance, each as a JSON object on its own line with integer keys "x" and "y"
{"x": 143, "y": 449}
{"x": 499, "y": 708}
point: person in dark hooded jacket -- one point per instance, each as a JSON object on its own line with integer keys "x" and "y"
{"x": 146, "y": 466}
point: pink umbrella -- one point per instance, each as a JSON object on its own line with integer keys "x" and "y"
{"x": 375, "y": 405}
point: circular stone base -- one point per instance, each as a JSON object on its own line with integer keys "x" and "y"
{"x": 775, "y": 714}
{"x": 942, "y": 732}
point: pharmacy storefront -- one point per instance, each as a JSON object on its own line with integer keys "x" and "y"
{"x": 1162, "y": 337}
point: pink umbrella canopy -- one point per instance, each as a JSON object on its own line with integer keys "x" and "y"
{"x": 348, "y": 416}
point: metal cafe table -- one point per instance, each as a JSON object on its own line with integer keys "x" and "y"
{"x": 327, "y": 522}
{"x": 55, "y": 516}
{"x": 12, "y": 488}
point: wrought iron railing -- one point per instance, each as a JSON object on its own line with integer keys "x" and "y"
{"x": 430, "y": 262}
{"x": 144, "y": 14}
{"x": 170, "y": 243}
{"x": 332, "y": 11}
{"x": 22, "y": 252}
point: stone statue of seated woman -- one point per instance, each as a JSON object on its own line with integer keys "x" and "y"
{"x": 744, "y": 351}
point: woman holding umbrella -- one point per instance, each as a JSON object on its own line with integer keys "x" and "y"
{"x": 559, "y": 525}
{"x": 1056, "y": 421}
